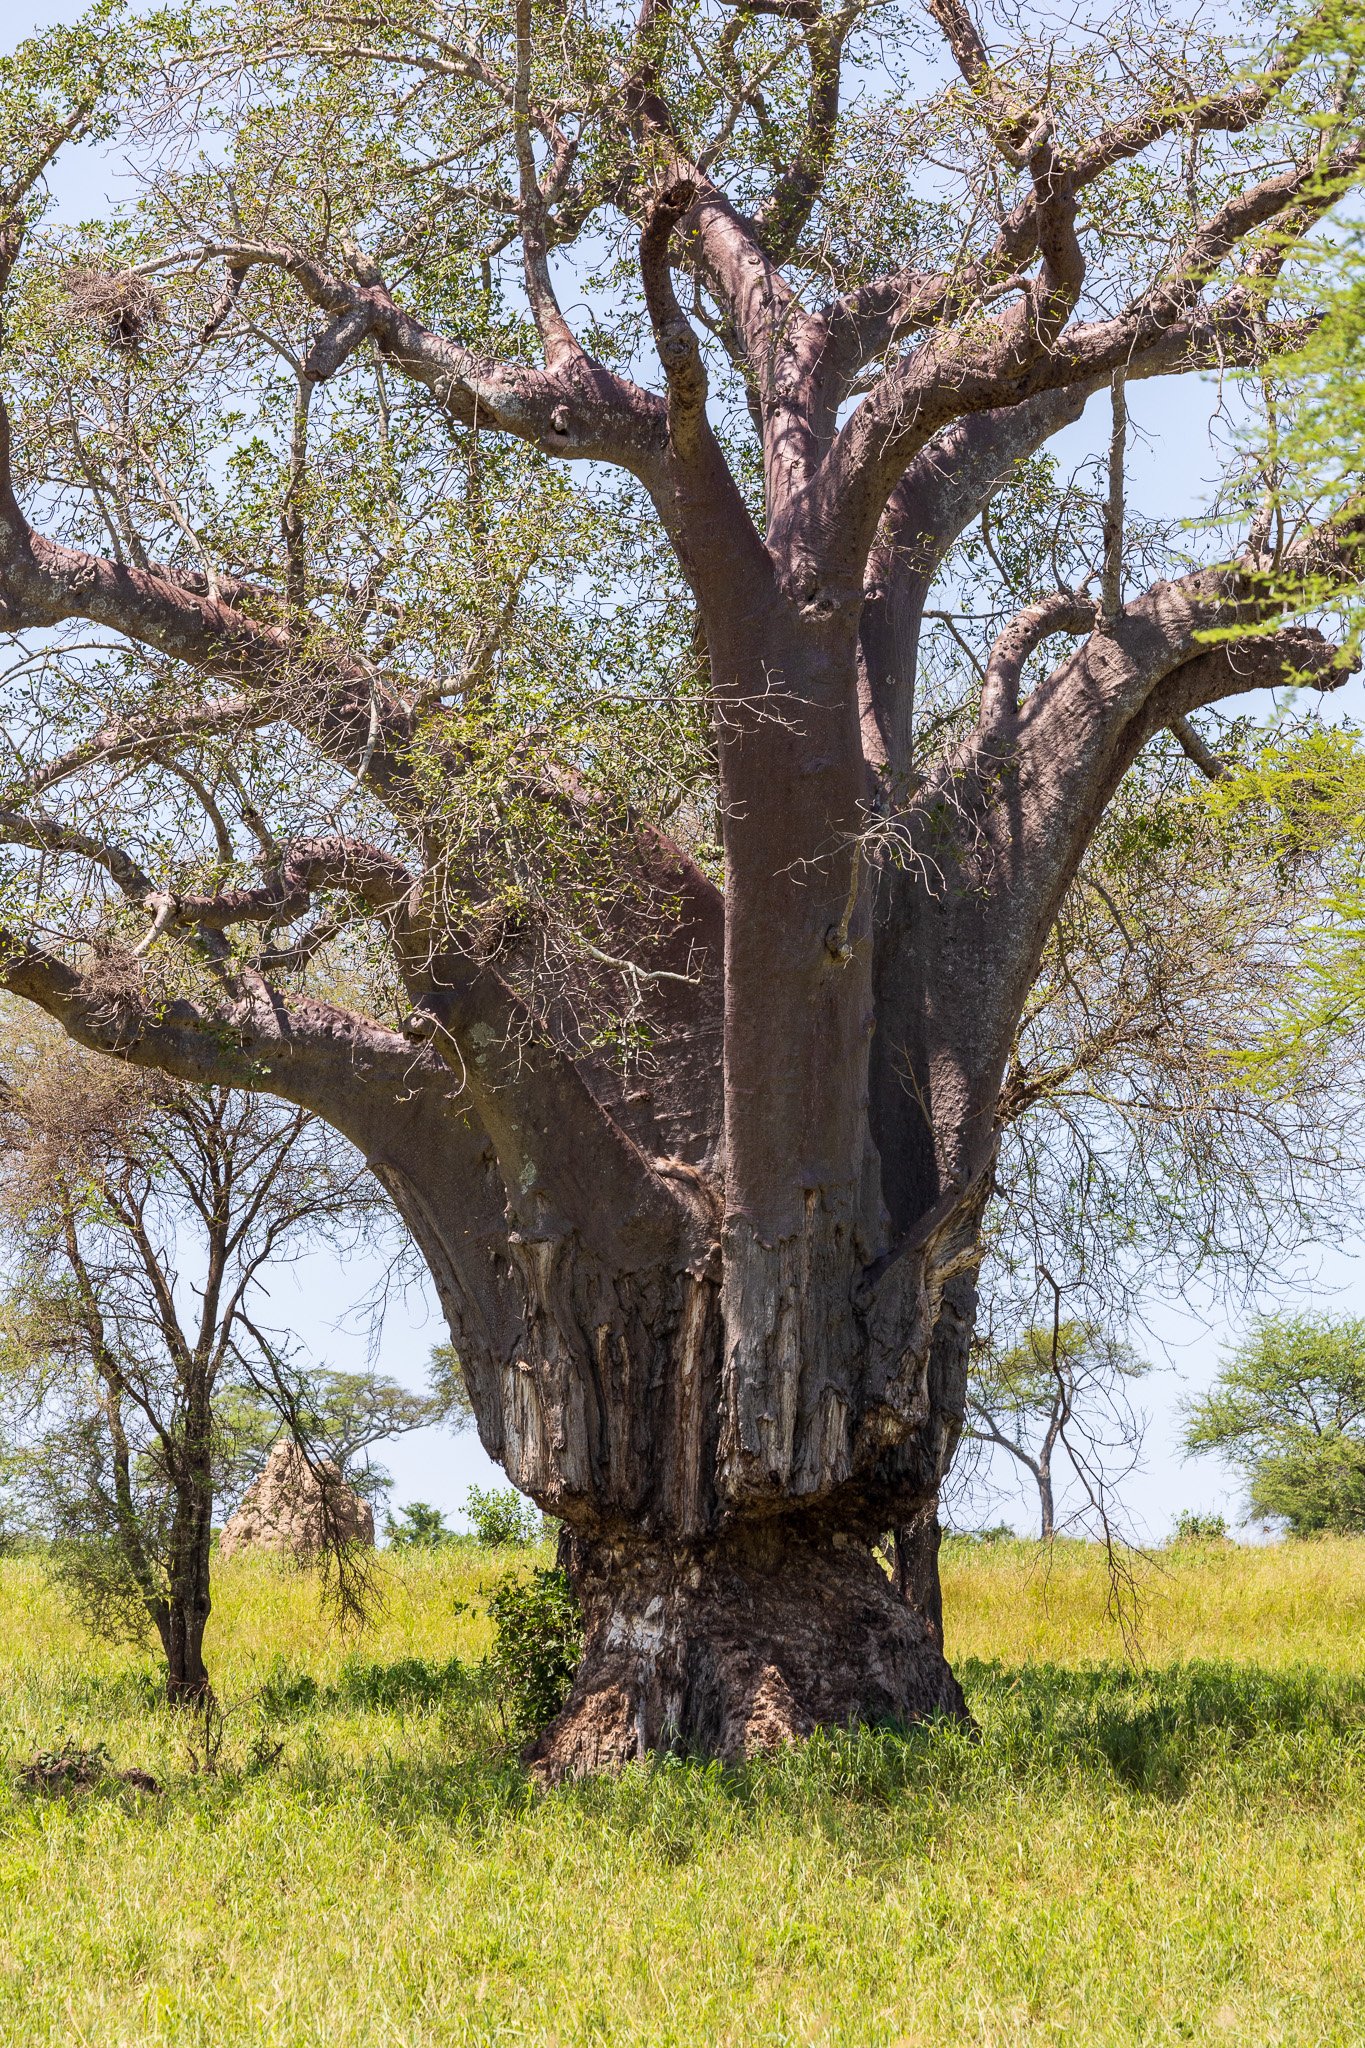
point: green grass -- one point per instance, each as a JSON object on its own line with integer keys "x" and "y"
{"x": 1161, "y": 1852}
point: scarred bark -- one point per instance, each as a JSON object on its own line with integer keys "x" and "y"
{"x": 736, "y": 1646}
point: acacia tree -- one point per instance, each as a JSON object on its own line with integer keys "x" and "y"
{"x": 120, "y": 1365}
{"x": 696, "y": 945}
{"x": 341, "y": 1416}
{"x": 1287, "y": 1411}
{"x": 1058, "y": 1389}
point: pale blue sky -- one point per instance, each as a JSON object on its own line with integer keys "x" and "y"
{"x": 1172, "y": 463}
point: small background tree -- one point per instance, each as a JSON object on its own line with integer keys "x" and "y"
{"x": 341, "y": 1415}
{"x": 418, "y": 1526}
{"x": 1287, "y": 1412}
{"x": 140, "y": 1218}
{"x": 1057, "y": 1403}
{"x": 502, "y": 1516}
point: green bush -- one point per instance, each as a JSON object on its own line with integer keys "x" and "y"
{"x": 418, "y": 1526}
{"x": 1193, "y": 1528}
{"x": 537, "y": 1642}
{"x": 502, "y": 1516}
{"x": 999, "y": 1532}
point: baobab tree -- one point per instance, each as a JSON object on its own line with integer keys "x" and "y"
{"x": 499, "y": 477}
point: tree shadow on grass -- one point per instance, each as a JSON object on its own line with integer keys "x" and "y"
{"x": 1220, "y": 1731}
{"x": 1158, "y": 1730}
{"x": 407, "y": 1684}
{"x": 1155, "y": 1733}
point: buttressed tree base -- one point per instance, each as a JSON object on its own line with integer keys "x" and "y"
{"x": 697, "y": 1155}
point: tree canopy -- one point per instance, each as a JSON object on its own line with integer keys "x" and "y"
{"x": 1287, "y": 1411}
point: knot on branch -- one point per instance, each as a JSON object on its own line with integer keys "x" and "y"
{"x": 667, "y": 207}
{"x": 421, "y": 1023}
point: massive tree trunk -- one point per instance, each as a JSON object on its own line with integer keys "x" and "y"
{"x": 726, "y": 1647}
{"x": 720, "y": 1615}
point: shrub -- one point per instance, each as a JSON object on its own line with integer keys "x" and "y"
{"x": 502, "y": 1516}
{"x": 537, "y": 1642}
{"x": 418, "y": 1526}
{"x": 1193, "y": 1528}
{"x": 999, "y": 1532}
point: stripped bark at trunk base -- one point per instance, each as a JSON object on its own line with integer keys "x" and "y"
{"x": 734, "y": 1646}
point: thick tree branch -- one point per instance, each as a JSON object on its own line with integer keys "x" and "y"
{"x": 1030, "y": 801}
{"x": 394, "y": 1100}
{"x": 940, "y": 494}
{"x": 1111, "y": 572}
{"x": 946, "y": 380}
{"x": 335, "y": 700}
{"x": 556, "y": 1141}
{"x": 576, "y": 408}
{"x": 375, "y": 878}
{"x": 560, "y": 343}
{"x": 1028, "y": 791}
{"x": 731, "y": 257}
{"x": 45, "y": 834}
{"x": 1064, "y": 611}
{"x": 784, "y": 215}
{"x": 679, "y": 352}
{"x": 1197, "y": 750}
{"x": 567, "y": 1163}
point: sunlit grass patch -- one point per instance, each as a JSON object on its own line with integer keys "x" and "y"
{"x": 1162, "y": 1851}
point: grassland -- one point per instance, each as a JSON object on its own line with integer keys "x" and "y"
{"x": 1166, "y": 1851}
